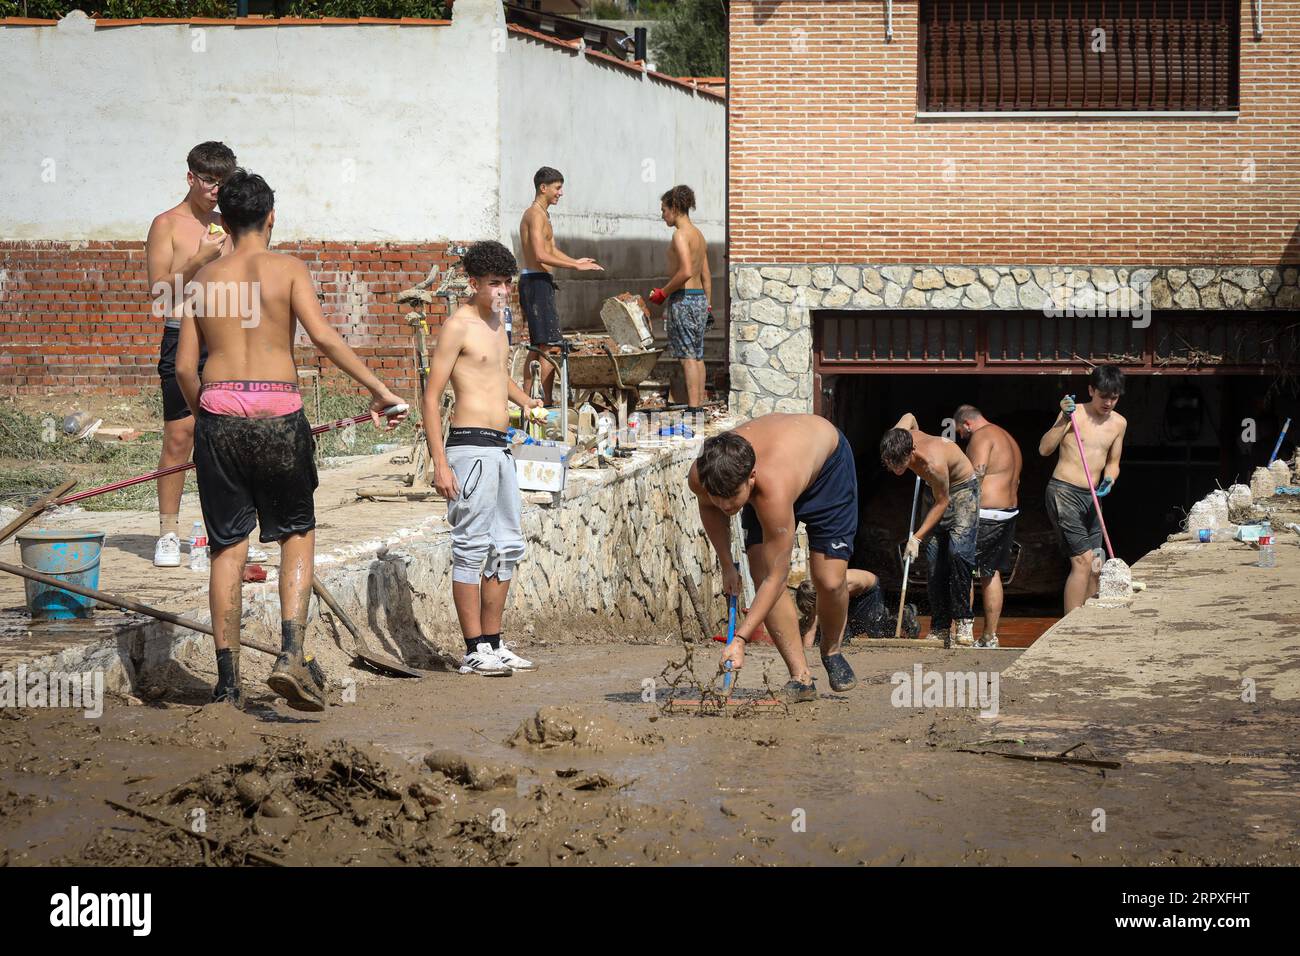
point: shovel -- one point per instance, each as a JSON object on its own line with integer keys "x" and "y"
{"x": 362, "y": 652}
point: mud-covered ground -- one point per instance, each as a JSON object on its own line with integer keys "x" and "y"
{"x": 570, "y": 764}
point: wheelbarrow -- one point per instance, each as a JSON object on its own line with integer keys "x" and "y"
{"x": 612, "y": 375}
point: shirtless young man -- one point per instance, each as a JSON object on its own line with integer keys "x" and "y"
{"x": 252, "y": 443}
{"x": 778, "y": 470}
{"x": 181, "y": 242}
{"x": 866, "y": 614}
{"x": 689, "y": 311}
{"x": 1069, "y": 502}
{"x": 996, "y": 459}
{"x": 954, "y": 490}
{"x": 537, "y": 286}
{"x": 475, "y": 471}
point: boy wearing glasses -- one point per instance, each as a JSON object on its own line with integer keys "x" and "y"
{"x": 181, "y": 241}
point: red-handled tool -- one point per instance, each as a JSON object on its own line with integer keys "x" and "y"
{"x": 153, "y": 475}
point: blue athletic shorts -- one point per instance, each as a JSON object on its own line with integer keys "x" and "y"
{"x": 828, "y": 508}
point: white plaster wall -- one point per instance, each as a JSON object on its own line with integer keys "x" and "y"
{"x": 621, "y": 140}
{"x": 366, "y": 133}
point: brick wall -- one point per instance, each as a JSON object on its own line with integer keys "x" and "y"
{"x": 76, "y": 316}
{"x": 828, "y": 162}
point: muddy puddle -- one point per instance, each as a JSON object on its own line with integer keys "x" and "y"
{"x": 571, "y": 764}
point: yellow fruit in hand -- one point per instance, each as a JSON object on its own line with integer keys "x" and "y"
{"x": 214, "y": 229}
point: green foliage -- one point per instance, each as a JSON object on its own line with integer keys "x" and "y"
{"x": 693, "y": 39}
{"x": 119, "y": 9}
{"x": 618, "y": 10}
{"x": 607, "y": 10}
{"x": 391, "y": 9}
{"x": 182, "y": 9}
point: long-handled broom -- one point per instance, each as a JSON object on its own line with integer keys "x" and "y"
{"x": 907, "y": 562}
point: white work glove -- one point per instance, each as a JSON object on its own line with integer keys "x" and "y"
{"x": 913, "y": 549}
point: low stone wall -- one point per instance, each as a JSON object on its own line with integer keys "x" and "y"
{"x": 607, "y": 564}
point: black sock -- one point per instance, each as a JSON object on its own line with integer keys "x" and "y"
{"x": 227, "y": 668}
{"x": 493, "y": 639}
{"x": 291, "y": 635}
{"x": 471, "y": 644}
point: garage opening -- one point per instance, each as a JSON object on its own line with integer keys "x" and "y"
{"x": 1189, "y": 422}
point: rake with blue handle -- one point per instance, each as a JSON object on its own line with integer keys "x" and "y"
{"x": 731, "y": 636}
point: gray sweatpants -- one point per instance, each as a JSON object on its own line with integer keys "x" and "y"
{"x": 486, "y": 540}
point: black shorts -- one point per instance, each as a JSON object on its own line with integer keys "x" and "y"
{"x": 1073, "y": 516}
{"x": 255, "y": 471}
{"x": 993, "y": 546}
{"x": 174, "y": 405}
{"x": 828, "y": 508}
{"x": 537, "y": 298}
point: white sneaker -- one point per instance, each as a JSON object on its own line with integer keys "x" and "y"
{"x": 988, "y": 640}
{"x": 513, "y": 660}
{"x": 167, "y": 552}
{"x": 483, "y": 660}
{"x": 965, "y": 633}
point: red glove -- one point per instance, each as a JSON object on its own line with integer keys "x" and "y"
{"x": 658, "y": 297}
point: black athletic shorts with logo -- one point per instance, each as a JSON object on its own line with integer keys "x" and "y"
{"x": 537, "y": 298}
{"x": 174, "y": 405}
{"x": 255, "y": 471}
{"x": 828, "y": 508}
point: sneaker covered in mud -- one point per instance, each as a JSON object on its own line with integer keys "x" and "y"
{"x": 485, "y": 661}
{"x": 988, "y": 640}
{"x": 796, "y": 693}
{"x": 839, "y": 672}
{"x": 300, "y": 681}
{"x": 945, "y": 637}
{"x": 167, "y": 552}
{"x": 512, "y": 660}
{"x": 964, "y": 635}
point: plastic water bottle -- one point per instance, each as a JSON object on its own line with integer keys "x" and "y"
{"x": 1267, "y": 558}
{"x": 196, "y": 532}
{"x": 509, "y": 319}
{"x": 586, "y": 423}
{"x": 607, "y": 429}
{"x": 199, "y": 553}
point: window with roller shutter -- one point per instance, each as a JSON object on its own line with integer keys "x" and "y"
{"x": 1030, "y": 56}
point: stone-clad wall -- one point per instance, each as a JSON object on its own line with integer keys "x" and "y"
{"x": 771, "y": 341}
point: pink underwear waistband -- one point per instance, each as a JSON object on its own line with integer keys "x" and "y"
{"x": 250, "y": 399}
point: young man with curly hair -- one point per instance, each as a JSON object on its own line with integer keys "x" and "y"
{"x": 474, "y": 471}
